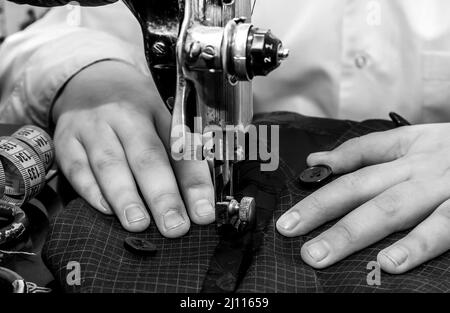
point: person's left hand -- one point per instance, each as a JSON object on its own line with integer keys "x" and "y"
{"x": 398, "y": 179}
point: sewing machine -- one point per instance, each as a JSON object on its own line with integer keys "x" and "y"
{"x": 203, "y": 55}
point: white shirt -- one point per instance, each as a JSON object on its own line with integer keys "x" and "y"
{"x": 350, "y": 59}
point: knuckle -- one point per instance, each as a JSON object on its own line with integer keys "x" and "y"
{"x": 164, "y": 200}
{"x": 98, "y": 121}
{"x": 350, "y": 143}
{"x": 197, "y": 185}
{"x": 89, "y": 191}
{"x": 420, "y": 241}
{"x": 108, "y": 159}
{"x": 353, "y": 181}
{"x": 130, "y": 116}
{"x": 78, "y": 176}
{"x": 346, "y": 231}
{"x": 388, "y": 205}
{"x": 195, "y": 182}
{"x": 124, "y": 193}
{"x": 401, "y": 147}
{"x": 149, "y": 157}
{"x": 316, "y": 205}
{"x": 444, "y": 212}
{"x": 75, "y": 170}
{"x": 402, "y": 142}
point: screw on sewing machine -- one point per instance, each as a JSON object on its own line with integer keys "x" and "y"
{"x": 208, "y": 53}
{"x": 159, "y": 49}
{"x": 194, "y": 51}
{"x": 283, "y": 54}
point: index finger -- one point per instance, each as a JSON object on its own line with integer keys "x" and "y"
{"x": 367, "y": 150}
{"x": 340, "y": 196}
{"x": 152, "y": 169}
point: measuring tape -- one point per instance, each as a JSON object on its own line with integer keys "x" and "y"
{"x": 39, "y": 141}
{"x": 25, "y": 158}
{"x": 2, "y": 181}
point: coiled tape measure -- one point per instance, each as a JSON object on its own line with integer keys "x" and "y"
{"x": 25, "y": 159}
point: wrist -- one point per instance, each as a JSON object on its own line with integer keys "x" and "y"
{"x": 104, "y": 82}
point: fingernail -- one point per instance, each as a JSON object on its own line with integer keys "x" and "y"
{"x": 318, "y": 251}
{"x": 204, "y": 208}
{"x": 173, "y": 219}
{"x": 134, "y": 214}
{"x": 319, "y": 154}
{"x": 105, "y": 205}
{"x": 396, "y": 255}
{"x": 317, "y": 158}
{"x": 289, "y": 221}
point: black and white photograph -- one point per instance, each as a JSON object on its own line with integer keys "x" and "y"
{"x": 224, "y": 155}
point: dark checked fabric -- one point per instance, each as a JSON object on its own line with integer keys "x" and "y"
{"x": 80, "y": 234}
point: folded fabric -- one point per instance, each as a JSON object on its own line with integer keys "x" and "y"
{"x": 79, "y": 234}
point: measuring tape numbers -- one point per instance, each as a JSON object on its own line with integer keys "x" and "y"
{"x": 25, "y": 158}
{"x": 2, "y": 181}
{"x": 39, "y": 141}
{"x": 24, "y": 171}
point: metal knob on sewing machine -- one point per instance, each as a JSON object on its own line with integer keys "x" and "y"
{"x": 239, "y": 50}
{"x": 203, "y": 55}
{"x": 240, "y": 215}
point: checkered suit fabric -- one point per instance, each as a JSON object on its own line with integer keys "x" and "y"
{"x": 81, "y": 234}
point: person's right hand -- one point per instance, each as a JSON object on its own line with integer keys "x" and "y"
{"x": 111, "y": 138}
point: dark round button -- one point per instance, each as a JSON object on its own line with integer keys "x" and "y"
{"x": 315, "y": 176}
{"x": 140, "y": 246}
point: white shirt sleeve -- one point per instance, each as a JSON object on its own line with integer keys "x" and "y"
{"x": 349, "y": 59}
{"x": 36, "y": 64}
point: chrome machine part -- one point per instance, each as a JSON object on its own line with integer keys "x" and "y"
{"x": 203, "y": 55}
{"x": 3, "y": 32}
